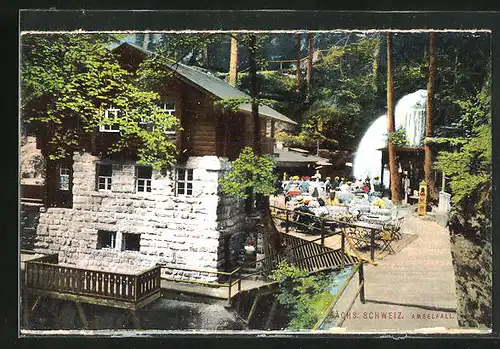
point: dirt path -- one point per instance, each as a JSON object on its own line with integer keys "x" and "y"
{"x": 416, "y": 285}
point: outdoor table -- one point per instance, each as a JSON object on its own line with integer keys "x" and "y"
{"x": 375, "y": 219}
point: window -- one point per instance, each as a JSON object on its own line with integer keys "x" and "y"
{"x": 106, "y": 239}
{"x": 131, "y": 242}
{"x": 169, "y": 108}
{"x": 143, "y": 179}
{"x": 110, "y": 113}
{"x": 63, "y": 178}
{"x": 184, "y": 181}
{"x": 104, "y": 173}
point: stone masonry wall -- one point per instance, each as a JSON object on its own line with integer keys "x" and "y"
{"x": 183, "y": 231}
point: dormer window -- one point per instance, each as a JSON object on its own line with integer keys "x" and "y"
{"x": 108, "y": 114}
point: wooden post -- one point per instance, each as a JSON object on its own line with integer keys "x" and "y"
{"x": 229, "y": 289}
{"x": 135, "y": 319}
{"x": 252, "y": 310}
{"x": 361, "y": 280}
{"x": 287, "y": 228}
{"x": 239, "y": 280}
{"x": 342, "y": 244}
{"x": 81, "y": 314}
{"x": 322, "y": 232}
{"x": 271, "y": 314}
{"x": 372, "y": 244}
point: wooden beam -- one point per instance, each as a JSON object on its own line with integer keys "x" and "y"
{"x": 135, "y": 319}
{"x": 272, "y": 312}
{"x": 81, "y": 315}
{"x": 252, "y": 310}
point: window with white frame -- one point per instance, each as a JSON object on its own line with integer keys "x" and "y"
{"x": 169, "y": 108}
{"x": 143, "y": 179}
{"x": 184, "y": 181}
{"x": 104, "y": 174}
{"x": 110, "y": 113}
{"x": 64, "y": 178}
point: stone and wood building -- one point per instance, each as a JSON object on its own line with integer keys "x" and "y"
{"x": 109, "y": 213}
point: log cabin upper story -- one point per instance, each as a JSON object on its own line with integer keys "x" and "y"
{"x": 189, "y": 95}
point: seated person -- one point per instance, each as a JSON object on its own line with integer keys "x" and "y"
{"x": 321, "y": 211}
{"x": 302, "y": 207}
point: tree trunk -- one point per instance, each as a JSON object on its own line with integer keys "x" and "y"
{"x": 393, "y": 166}
{"x": 145, "y": 43}
{"x": 431, "y": 188}
{"x": 297, "y": 37}
{"x": 254, "y": 94}
{"x": 233, "y": 61}
{"x": 310, "y": 42}
{"x": 376, "y": 57}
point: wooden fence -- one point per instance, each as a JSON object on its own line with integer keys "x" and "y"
{"x": 93, "y": 283}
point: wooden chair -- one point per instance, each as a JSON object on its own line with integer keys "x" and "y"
{"x": 387, "y": 237}
{"x": 391, "y": 232}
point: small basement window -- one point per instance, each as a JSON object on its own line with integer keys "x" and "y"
{"x": 64, "y": 178}
{"x": 143, "y": 178}
{"x": 131, "y": 242}
{"x": 106, "y": 239}
{"x": 184, "y": 181}
{"x": 104, "y": 175}
{"x": 108, "y": 114}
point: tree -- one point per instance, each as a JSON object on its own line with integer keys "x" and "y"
{"x": 233, "y": 65}
{"x": 298, "y": 58}
{"x": 310, "y": 54}
{"x": 68, "y": 82}
{"x": 393, "y": 167}
{"x": 431, "y": 188}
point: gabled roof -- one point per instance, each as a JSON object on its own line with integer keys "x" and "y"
{"x": 215, "y": 86}
{"x": 287, "y": 155}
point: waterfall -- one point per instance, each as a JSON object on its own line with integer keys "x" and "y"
{"x": 409, "y": 114}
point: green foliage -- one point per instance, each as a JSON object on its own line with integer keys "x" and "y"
{"x": 398, "y": 138}
{"x": 306, "y": 297}
{"x": 470, "y": 172}
{"x": 69, "y": 80}
{"x": 249, "y": 174}
{"x": 346, "y": 98}
{"x": 228, "y": 105}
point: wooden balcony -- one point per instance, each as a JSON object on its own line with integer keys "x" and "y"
{"x": 127, "y": 291}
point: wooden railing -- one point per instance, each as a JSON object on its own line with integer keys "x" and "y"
{"x": 360, "y": 291}
{"x": 93, "y": 283}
